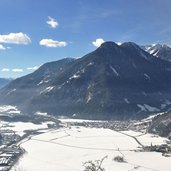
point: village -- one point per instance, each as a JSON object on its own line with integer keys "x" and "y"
{"x": 9, "y": 151}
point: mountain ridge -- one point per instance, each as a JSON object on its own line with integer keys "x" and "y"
{"x": 159, "y": 51}
{"x": 112, "y": 82}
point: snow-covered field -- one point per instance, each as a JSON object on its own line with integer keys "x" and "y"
{"x": 20, "y": 127}
{"x": 66, "y": 149}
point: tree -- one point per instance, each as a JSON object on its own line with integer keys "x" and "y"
{"x": 94, "y": 165}
{"x": 119, "y": 159}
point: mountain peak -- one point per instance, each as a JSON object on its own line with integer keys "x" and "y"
{"x": 130, "y": 44}
{"x": 109, "y": 44}
{"x": 162, "y": 51}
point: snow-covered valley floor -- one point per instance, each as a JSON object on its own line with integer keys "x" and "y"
{"x": 66, "y": 149}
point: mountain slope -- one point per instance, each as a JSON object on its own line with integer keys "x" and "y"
{"x": 4, "y": 81}
{"x": 23, "y": 89}
{"x": 159, "y": 51}
{"x": 161, "y": 125}
{"x": 112, "y": 82}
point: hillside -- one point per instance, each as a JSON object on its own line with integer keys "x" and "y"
{"x": 112, "y": 82}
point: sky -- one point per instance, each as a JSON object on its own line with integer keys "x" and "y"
{"x": 33, "y": 32}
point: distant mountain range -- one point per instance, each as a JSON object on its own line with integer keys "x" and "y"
{"x": 159, "y": 51}
{"x": 4, "y": 81}
{"x": 112, "y": 82}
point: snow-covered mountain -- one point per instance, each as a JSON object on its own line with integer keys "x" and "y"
{"x": 113, "y": 81}
{"x": 159, "y": 51}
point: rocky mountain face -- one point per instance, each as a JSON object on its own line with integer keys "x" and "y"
{"x": 4, "y": 81}
{"x": 112, "y": 82}
{"x": 159, "y": 51}
{"x": 161, "y": 125}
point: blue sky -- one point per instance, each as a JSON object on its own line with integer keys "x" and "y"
{"x": 33, "y": 32}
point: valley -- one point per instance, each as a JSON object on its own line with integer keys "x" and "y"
{"x": 71, "y": 146}
{"x": 61, "y": 143}
{"x": 85, "y": 85}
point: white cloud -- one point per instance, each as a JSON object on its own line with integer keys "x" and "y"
{"x": 98, "y": 42}
{"x": 52, "y": 43}
{"x": 5, "y": 70}
{"x": 32, "y": 68}
{"x": 2, "y": 47}
{"x": 17, "y": 70}
{"x": 52, "y": 22}
{"x": 15, "y": 38}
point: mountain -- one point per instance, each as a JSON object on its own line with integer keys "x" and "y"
{"x": 159, "y": 51}
{"x": 161, "y": 125}
{"x": 23, "y": 89}
{"x": 112, "y": 82}
{"x": 4, "y": 81}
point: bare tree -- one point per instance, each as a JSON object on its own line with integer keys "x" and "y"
{"x": 94, "y": 165}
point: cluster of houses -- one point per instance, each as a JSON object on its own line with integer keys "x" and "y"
{"x": 9, "y": 152}
{"x": 165, "y": 149}
{"x": 9, "y": 156}
{"x": 114, "y": 125}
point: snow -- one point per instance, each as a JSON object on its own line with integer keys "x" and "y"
{"x": 90, "y": 64}
{"x": 90, "y": 95}
{"x": 67, "y": 149}
{"x": 141, "y": 107}
{"x": 46, "y": 90}
{"x": 155, "y": 54}
{"x": 148, "y": 139}
{"x": 114, "y": 71}
{"x": 126, "y": 100}
{"x": 152, "y": 51}
{"x": 150, "y": 108}
{"x": 166, "y": 103}
{"x": 43, "y": 81}
{"x": 75, "y": 76}
{"x": 11, "y": 91}
{"x": 66, "y": 120}
{"x": 146, "y": 107}
{"x": 14, "y": 112}
{"x": 9, "y": 109}
{"x": 147, "y": 76}
{"x": 41, "y": 113}
{"x": 153, "y": 116}
{"x": 119, "y": 43}
{"x": 20, "y": 127}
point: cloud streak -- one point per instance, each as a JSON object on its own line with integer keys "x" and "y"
{"x": 15, "y": 38}
{"x": 52, "y": 22}
{"x": 5, "y": 70}
{"x": 52, "y": 43}
{"x": 2, "y": 47}
{"x": 17, "y": 70}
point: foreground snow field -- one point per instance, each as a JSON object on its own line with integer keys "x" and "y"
{"x": 67, "y": 149}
